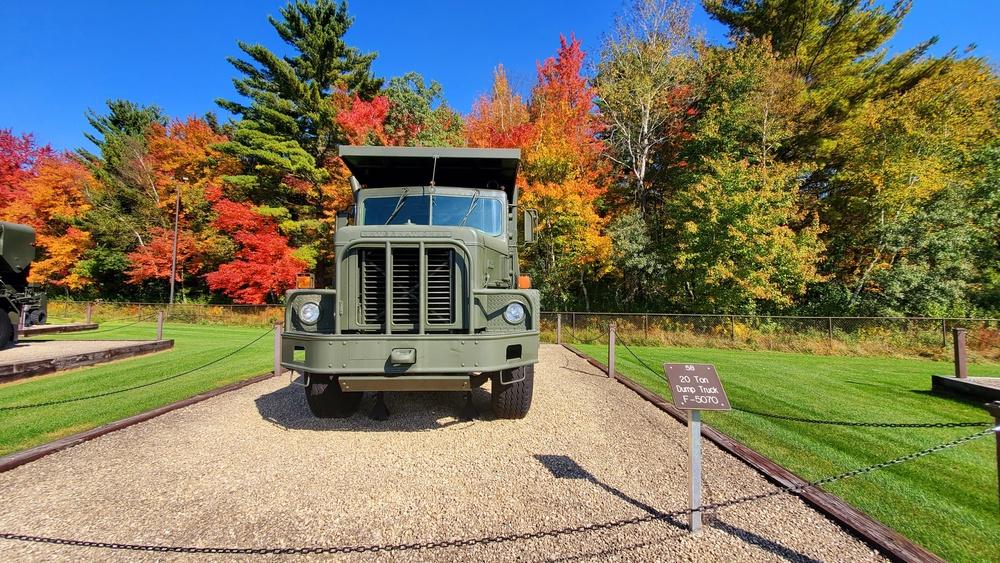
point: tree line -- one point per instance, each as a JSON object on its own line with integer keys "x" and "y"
{"x": 799, "y": 168}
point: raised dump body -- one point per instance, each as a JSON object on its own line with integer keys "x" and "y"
{"x": 427, "y": 293}
{"x": 19, "y": 299}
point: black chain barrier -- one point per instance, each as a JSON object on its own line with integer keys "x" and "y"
{"x": 831, "y": 422}
{"x": 600, "y": 336}
{"x": 468, "y": 542}
{"x": 133, "y": 388}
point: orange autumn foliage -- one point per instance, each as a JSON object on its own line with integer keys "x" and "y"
{"x": 49, "y": 200}
{"x": 500, "y": 120}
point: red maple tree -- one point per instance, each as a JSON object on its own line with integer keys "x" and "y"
{"x": 155, "y": 259}
{"x": 364, "y": 122}
{"x": 19, "y": 156}
{"x": 263, "y": 266}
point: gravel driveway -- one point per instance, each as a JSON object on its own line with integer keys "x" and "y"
{"x": 254, "y": 469}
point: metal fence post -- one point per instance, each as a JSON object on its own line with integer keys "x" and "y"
{"x": 830, "y": 319}
{"x": 611, "y": 350}
{"x": 277, "y": 348}
{"x": 732, "y": 328}
{"x": 994, "y": 409}
{"x": 559, "y": 328}
{"x": 694, "y": 468}
{"x": 961, "y": 370}
{"x": 20, "y": 324}
{"x": 159, "y": 324}
{"x": 90, "y": 307}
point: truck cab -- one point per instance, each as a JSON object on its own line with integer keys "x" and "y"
{"x": 427, "y": 293}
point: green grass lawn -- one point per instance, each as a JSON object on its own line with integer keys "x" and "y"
{"x": 194, "y": 346}
{"x": 946, "y": 501}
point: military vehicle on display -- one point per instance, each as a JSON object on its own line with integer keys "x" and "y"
{"x": 22, "y": 303}
{"x": 427, "y": 294}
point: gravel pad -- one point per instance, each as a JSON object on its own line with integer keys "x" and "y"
{"x": 254, "y": 469}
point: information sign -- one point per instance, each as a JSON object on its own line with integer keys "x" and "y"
{"x": 696, "y": 387}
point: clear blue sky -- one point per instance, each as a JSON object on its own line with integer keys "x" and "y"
{"x": 59, "y": 57}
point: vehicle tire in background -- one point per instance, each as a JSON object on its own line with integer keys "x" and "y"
{"x": 512, "y": 400}
{"x": 327, "y": 400}
{"x": 37, "y": 317}
{"x": 6, "y": 329}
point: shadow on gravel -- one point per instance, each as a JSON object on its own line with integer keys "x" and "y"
{"x": 408, "y": 411}
{"x": 564, "y": 467}
{"x": 763, "y": 543}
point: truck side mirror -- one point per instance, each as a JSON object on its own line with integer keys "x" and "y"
{"x": 530, "y": 222}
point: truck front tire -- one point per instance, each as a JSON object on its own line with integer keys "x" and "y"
{"x": 327, "y": 400}
{"x": 512, "y": 400}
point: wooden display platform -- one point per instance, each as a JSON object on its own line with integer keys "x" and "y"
{"x": 55, "y": 329}
{"x": 30, "y": 359}
{"x": 964, "y": 386}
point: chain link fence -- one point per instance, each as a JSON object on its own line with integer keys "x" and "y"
{"x": 928, "y": 337}
{"x": 188, "y": 313}
{"x": 922, "y": 336}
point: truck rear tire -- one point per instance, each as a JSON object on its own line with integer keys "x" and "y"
{"x": 512, "y": 400}
{"x": 327, "y": 400}
{"x": 6, "y": 329}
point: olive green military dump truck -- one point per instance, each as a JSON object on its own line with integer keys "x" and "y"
{"x": 21, "y": 302}
{"x": 427, "y": 294}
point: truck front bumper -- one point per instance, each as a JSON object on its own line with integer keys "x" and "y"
{"x": 408, "y": 354}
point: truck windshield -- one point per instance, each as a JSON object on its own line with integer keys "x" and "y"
{"x": 477, "y": 210}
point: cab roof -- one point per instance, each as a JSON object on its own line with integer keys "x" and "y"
{"x": 383, "y": 167}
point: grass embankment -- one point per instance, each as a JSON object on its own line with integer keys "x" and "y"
{"x": 194, "y": 346}
{"x": 945, "y": 501}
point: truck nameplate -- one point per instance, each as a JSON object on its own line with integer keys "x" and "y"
{"x": 406, "y": 234}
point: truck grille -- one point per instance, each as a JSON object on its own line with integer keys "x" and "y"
{"x": 440, "y": 286}
{"x": 373, "y": 270}
{"x": 402, "y": 275}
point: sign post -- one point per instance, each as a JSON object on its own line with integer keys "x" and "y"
{"x": 694, "y": 388}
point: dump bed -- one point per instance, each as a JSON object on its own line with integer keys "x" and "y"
{"x": 17, "y": 247}
{"x": 381, "y": 167}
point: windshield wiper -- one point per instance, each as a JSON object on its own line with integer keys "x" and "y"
{"x": 399, "y": 205}
{"x": 475, "y": 198}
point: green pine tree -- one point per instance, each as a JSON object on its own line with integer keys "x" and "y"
{"x": 287, "y": 135}
{"x": 289, "y": 126}
{"x": 838, "y": 48}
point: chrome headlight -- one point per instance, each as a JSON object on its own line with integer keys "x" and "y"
{"x": 514, "y": 313}
{"x": 309, "y": 313}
